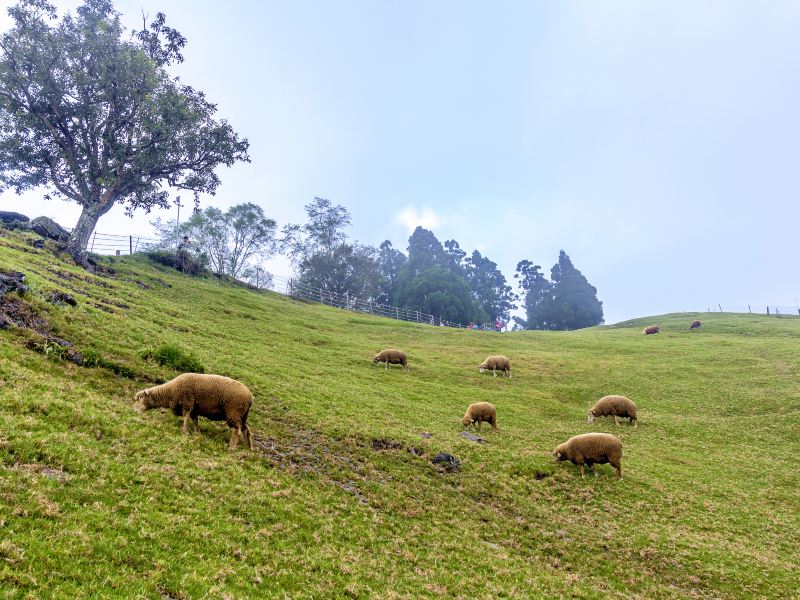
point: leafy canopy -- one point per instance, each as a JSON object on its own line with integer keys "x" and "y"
{"x": 94, "y": 116}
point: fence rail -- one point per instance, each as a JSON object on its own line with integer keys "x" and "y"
{"x": 776, "y": 310}
{"x": 119, "y": 245}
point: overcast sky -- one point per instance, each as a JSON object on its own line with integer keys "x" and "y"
{"x": 655, "y": 142}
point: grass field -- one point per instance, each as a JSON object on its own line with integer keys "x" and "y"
{"x": 97, "y": 501}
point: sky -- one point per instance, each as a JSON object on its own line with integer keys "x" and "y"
{"x": 655, "y": 142}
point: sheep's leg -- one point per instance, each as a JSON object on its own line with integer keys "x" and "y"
{"x": 387, "y": 365}
{"x": 616, "y": 420}
{"x": 634, "y": 422}
{"x": 479, "y": 425}
{"x": 580, "y": 466}
{"x": 248, "y": 436}
{"x": 235, "y": 433}
{"x": 185, "y": 429}
{"x": 594, "y": 470}
{"x": 196, "y": 423}
{"x": 618, "y": 467}
{"x": 495, "y": 372}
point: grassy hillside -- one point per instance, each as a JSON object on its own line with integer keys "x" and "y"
{"x": 341, "y": 498}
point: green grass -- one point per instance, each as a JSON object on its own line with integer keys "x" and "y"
{"x": 131, "y": 508}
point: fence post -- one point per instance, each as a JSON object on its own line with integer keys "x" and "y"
{"x": 93, "y": 239}
{"x": 130, "y": 244}
{"x": 320, "y": 295}
{"x": 370, "y": 306}
{"x": 397, "y": 312}
{"x": 347, "y": 299}
{"x": 767, "y": 309}
{"x": 417, "y": 315}
{"x": 748, "y": 309}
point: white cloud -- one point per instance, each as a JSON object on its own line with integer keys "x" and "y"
{"x": 410, "y": 218}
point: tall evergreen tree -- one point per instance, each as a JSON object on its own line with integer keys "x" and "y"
{"x": 568, "y": 301}
{"x": 489, "y": 287}
{"x": 390, "y": 263}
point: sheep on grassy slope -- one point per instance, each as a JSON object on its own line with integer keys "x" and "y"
{"x": 480, "y": 412}
{"x": 496, "y": 363}
{"x": 651, "y": 330}
{"x": 591, "y": 449}
{"x": 391, "y": 356}
{"x": 614, "y": 406}
{"x": 695, "y": 324}
{"x": 193, "y": 395}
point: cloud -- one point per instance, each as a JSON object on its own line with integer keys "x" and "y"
{"x": 410, "y": 218}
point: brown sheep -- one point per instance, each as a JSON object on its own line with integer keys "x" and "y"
{"x": 695, "y": 324}
{"x": 651, "y": 329}
{"x": 615, "y": 406}
{"x": 496, "y": 363}
{"x": 391, "y": 356}
{"x": 591, "y": 449}
{"x": 193, "y": 395}
{"x": 480, "y": 412}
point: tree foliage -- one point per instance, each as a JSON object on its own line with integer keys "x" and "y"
{"x": 234, "y": 242}
{"x": 94, "y": 116}
{"x": 390, "y": 262}
{"x": 567, "y": 301}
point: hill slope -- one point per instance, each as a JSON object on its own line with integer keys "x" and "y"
{"x": 341, "y": 498}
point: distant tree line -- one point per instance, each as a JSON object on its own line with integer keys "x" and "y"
{"x": 433, "y": 278}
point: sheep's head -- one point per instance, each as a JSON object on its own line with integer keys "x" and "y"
{"x": 141, "y": 401}
{"x": 592, "y": 416}
{"x": 482, "y": 367}
{"x": 466, "y": 421}
{"x": 559, "y": 454}
{"x": 377, "y": 359}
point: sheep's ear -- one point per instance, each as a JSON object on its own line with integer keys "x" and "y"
{"x": 147, "y": 392}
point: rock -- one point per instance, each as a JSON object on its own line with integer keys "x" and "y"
{"x": 447, "y": 461}
{"x": 12, "y": 281}
{"x": 471, "y": 437}
{"x": 47, "y": 228}
{"x": 12, "y": 217}
{"x": 61, "y": 298}
{"x": 38, "y": 244}
{"x": 426, "y": 435}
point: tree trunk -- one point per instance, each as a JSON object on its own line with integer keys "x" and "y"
{"x": 79, "y": 238}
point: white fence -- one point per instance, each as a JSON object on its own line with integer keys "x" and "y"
{"x": 119, "y": 245}
{"x": 776, "y": 310}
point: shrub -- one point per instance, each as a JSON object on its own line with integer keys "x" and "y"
{"x": 174, "y": 356}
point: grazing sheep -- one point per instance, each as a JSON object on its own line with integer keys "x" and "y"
{"x": 651, "y": 329}
{"x": 615, "y": 406}
{"x": 695, "y": 324}
{"x": 391, "y": 356}
{"x": 496, "y": 363}
{"x": 192, "y": 395}
{"x": 480, "y": 412}
{"x": 591, "y": 449}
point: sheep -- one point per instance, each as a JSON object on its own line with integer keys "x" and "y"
{"x": 496, "y": 362}
{"x": 651, "y": 329}
{"x": 480, "y": 412}
{"x": 193, "y": 395}
{"x": 695, "y": 324}
{"x": 616, "y": 406}
{"x": 591, "y": 449}
{"x": 391, "y": 356}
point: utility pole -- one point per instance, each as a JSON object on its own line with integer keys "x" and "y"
{"x": 177, "y": 203}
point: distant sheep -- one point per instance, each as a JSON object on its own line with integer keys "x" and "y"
{"x": 695, "y": 325}
{"x": 496, "y": 363}
{"x": 614, "y": 406}
{"x": 591, "y": 449}
{"x": 391, "y": 356}
{"x": 480, "y": 412}
{"x": 193, "y": 395}
{"x": 651, "y": 330}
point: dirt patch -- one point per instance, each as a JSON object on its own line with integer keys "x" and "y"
{"x": 448, "y": 462}
{"x": 67, "y": 276}
{"x": 539, "y": 475}
{"x": 42, "y": 470}
{"x": 384, "y": 444}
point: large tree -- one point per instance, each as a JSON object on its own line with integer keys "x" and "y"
{"x": 567, "y": 301}
{"x": 234, "y": 242}
{"x": 390, "y": 263}
{"x": 93, "y": 115}
{"x": 489, "y": 287}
